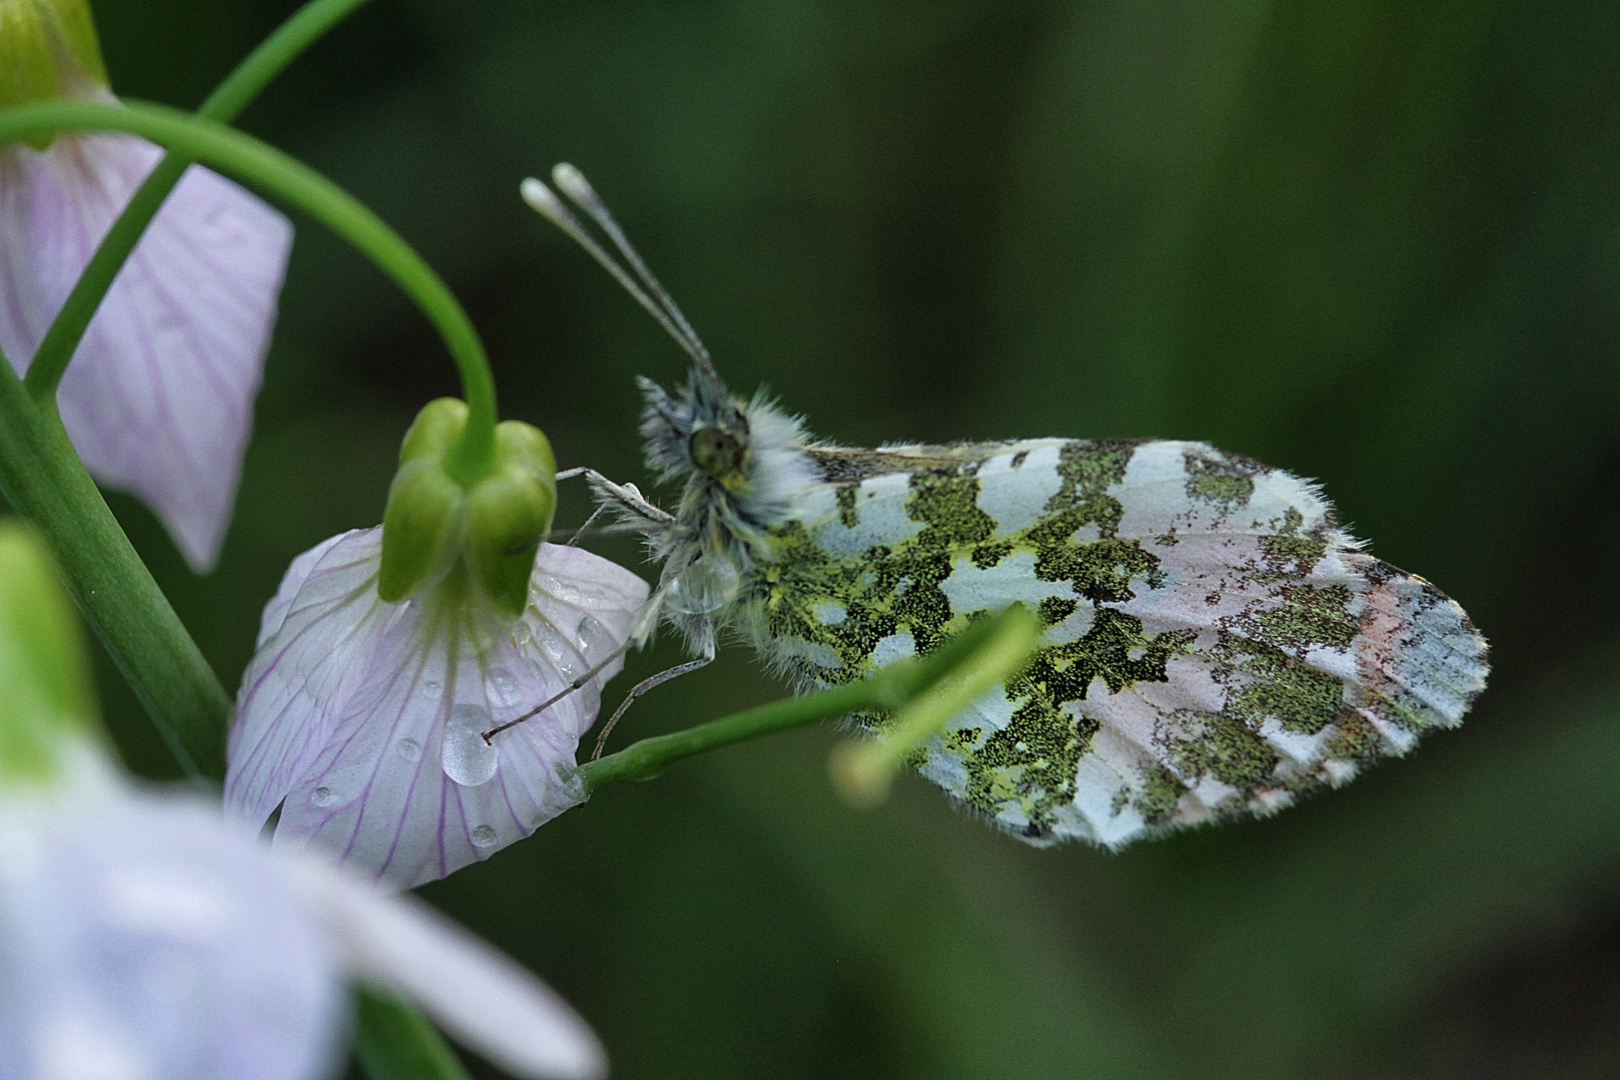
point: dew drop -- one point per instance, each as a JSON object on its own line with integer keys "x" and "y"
{"x": 323, "y": 796}
{"x": 595, "y": 639}
{"x": 483, "y": 836}
{"x": 409, "y": 749}
{"x": 467, "y": 758}
{"x": 590, "y": 697}
{"x": 562, "y": 658}
{"x": 503, "y": 689}
{"x": 431, "y": 690}
{"x": 706, "y": 586}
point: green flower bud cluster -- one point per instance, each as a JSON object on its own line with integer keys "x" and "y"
{"x": 45, "y": 688}
{"x": 48, "y": 50}
{"x": 491, "y": 526}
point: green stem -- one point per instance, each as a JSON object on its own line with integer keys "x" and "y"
{"x": 44, "y": 478}
{"x": 864, "y": 769}
{"x": 888, "y": 689}
{"x": 394, "y": 1042}
{"x": 251, "y": 76}
{"x": 249, "y": 159}
{"x": 41, "y": 476}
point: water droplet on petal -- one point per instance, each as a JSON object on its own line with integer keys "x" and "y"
{"x": 562, "y": 658}
{"x": 467, "y": 758}
{"x": 431, "y": 690}
{"x": 595, "y": 639}
{"x": 503, "y": 689}
{"x": 483, "y": 836}
{"x": 323, "y": 796}
{"x": 409, "y": 749}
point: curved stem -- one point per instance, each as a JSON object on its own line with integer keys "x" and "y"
{"x": 243, "y": 84}
{"x": 865, "y": 769}
{"x": 985, "y": 643}
{"x": 271, "y": 170}
{"x": 41, "y": 474}
{"x": 42, "y": 477}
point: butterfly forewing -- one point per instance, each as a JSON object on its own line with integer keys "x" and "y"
{"x": 1214, "y": 643}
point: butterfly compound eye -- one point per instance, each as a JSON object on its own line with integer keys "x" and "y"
{"x": 715, "y": 451}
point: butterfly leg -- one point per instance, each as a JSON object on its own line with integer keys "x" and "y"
{"x": 572, "y": 687}
{"x": 641, "y": 688}
{"x": 641, "y": 629}
{"x": 571, "y": 537}
{"x": 581, "y": 532}
{"x": 627, "y": 497}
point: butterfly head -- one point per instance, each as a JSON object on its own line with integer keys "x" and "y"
{"x": 743, "y": 454}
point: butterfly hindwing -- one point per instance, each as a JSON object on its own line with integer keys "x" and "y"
{"x": 1214, "y": 643}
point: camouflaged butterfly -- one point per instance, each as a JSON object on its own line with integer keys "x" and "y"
{"x": 1215, "y": 644}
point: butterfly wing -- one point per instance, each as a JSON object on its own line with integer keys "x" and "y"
{"x": 1215, "y": 644}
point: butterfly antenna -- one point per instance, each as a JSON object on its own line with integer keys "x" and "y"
{"x": 572, "y": 183}
{"x": 641, "y": 284}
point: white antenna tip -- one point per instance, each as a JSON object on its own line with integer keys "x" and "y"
{"x": 537, "y": 195}
{"x": 571, "y": 182}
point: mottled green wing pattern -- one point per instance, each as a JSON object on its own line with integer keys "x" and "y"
{"x": 1215, "y": 644}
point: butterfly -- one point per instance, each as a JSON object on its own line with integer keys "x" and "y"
{"x": 1214, "y": 643}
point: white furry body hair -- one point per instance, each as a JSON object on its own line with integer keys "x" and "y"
{"x": 722, "y": 518}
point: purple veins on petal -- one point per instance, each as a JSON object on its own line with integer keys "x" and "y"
{"x": 364, "y": 720}
{"x": 159, "y": 397}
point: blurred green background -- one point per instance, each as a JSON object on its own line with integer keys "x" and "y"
{"x": 1370, "y": 241}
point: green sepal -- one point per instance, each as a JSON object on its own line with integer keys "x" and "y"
{"x": 425, "y": 503}
{"x": 36, "y": 38}
{"x": 434, "y": 431}
{"x": 27, "y": 64}
{"x": 495, "y": 524}
{"x": 508, "y": 513}
{"x": 77, "y": 29}
{"x": 46, "y": 696}
{"x": 424, "y": 511}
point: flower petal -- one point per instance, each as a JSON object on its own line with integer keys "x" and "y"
{"x": 285, "y": 707}
{"x": 364, "y": 719}
{"x": 144, "y": 938}
{"x": 159, "y": 397}
{"x": 473, "y": 991}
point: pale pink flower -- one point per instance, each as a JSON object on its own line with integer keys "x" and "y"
{"x": 363, "y": 720}
{"x": 159, "y": 397}
{"x": 146, "y": 938}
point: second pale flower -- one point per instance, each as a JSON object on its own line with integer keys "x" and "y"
{"x": 363, "y": 719}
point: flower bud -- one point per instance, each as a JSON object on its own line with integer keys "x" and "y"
{"x": 425, "y": 512}
{"x": 434, "y": 431}
{"x": 48, "y": 49}
{"x": 45, "y": 689}
{"x": 423, "y": 520}
{"x": 493, "y": 525}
